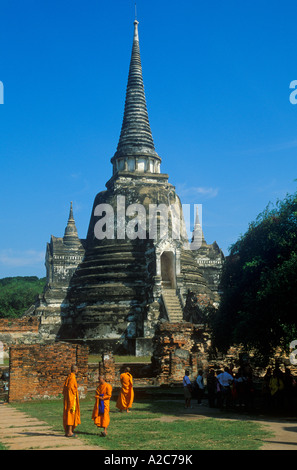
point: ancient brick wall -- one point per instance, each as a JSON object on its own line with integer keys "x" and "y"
{"x": 177, "y": 347}
{"x": 18, "y": 331}
{"x": 39, "y": 371}
{"x": 181, "y": 346}
{"x": 19, "y": 325}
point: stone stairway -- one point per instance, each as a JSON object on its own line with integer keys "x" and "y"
{"x": 172, "y": 305}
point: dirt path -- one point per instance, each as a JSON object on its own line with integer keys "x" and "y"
{"x": 19, "y": 431}
{"x": 285, "y": 435}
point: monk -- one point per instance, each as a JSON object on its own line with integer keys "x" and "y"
{"x": 126, "y": 396}
{"x": 71, "y": 414}
{"x": 102, "y": 405}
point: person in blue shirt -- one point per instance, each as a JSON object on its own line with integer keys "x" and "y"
{"x": 187, "y": 389}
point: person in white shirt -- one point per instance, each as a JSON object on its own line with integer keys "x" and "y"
{"x": 187, "y": 389}
{"x": 225, "y": 380}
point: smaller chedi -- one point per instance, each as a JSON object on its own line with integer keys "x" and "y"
{"x": 136, "y": 264}
{"x": 62, "y": 257}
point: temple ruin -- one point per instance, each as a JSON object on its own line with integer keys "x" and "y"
{"x": 110, "y": 290}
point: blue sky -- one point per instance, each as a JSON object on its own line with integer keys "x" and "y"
{"x": 216, "y": 77}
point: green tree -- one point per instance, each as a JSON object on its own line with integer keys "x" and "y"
{"x": 17, "y": 294}
{"x": 259, "y": 283}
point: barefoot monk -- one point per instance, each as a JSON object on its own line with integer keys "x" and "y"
{"x": 126, "y": 396}
{"x": 102, "y": 405}
{"x": 71, "y": 413}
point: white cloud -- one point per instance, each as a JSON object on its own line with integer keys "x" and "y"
{"x": 14, "y": 258}
{"x": 270, "y": 148}
{"x": 183, "y": 190}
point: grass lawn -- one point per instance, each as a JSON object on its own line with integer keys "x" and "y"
{"x": 154, "y": 425}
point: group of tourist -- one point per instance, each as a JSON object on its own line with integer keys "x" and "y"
{"x": 100, "y": 415}
{"x": 226, "y": 389}
{"x": 279, "y": 389}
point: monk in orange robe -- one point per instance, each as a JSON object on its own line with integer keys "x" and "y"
{"x": 101, "y": 409}
{"x": 126, "y": 396}
{"x": 71, "y": 414}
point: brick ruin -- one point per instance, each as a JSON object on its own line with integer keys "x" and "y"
{"x": 17, "y": 331}
{"x": 178, "y": 347}
{"x": 16, "y": 326}
{"x": 39, "y": 371}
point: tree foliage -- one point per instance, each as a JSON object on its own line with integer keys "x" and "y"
{"x": 17, "y": 294}
{"x": 259, "y": 284}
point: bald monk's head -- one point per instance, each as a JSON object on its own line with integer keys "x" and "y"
{"x": 101, "y": 379}
{"x": 74, "y": 369}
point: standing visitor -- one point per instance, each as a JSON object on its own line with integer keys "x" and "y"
{"x": 225, "y": 380}
{"x": 289, "y": 383}
{"x": 211, "y": 388}
{"x": 71, "y": 413}
{"x": 187, "y": 389}
{"x": 101, "y": 409}
{"x": 276, "y": 386}
{"x": 200, "y": 386}
{"x": 126, "y": 396}
{"x": 240, "y": 384}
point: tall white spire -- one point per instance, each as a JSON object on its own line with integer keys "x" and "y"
{"x": 136, "y": 37}
{"x": 136, "y": 138}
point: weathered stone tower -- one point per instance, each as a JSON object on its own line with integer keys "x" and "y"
{"x": 137, "y": 266}
{"x": 62, "y": 257}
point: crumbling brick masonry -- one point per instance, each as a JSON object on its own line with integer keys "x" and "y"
{"x": 39, "y": 371}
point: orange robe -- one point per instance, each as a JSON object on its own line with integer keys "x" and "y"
{"x": 126, "y": 395}
{"x": 102, "y": 420}
{"x": 71, "y": 414}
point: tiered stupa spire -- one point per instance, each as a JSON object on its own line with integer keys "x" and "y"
{"x": 136, "y": 143}
{"x": 70, "y": 234}
{"x": 198, "y": 239}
